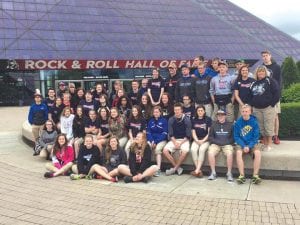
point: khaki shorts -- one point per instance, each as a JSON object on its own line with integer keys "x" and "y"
{"x": 277, "y": 108}
{"x": 215, "y": 149}
{"x": 256, "y": 147}
{"x": 185, "y": 147}
{"x": 266, "y": 120}
{"x": 159, "y": 147}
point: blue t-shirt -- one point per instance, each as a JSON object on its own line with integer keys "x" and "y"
{"x": 155, "y": 86}
{"x": 243, "y": 86}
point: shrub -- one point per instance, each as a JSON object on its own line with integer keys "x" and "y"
{"x": 292, "y": 94}
{"x": 289, "y": 120}
{"x": 290, "y": 72}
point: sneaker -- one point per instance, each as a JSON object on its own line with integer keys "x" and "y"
{"x": 179, "y": 171}
{"x": 212, "y": 176}
{"x": 170, "y": 171}
{"x": 35, "y": 153}
{"x": 256, "y": 179}
{"x": 48, "y": 175}
{"x": 241, "y": 179}
{"x": 267, "y": 148}
{"x": 276, "y": 140}
{"x": 157, "y": 173}
{"x": 128, "y": 179}
{"x": 146, "y": 179}
{"x": 229, "y": 177}
{"x": 75, "y": 176}
{"x": 89, "y": 177}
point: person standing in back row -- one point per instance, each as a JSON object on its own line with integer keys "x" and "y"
{"x": 274, "y": 71}
{"x": 185, "y": 85}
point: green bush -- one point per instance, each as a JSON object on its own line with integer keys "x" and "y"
{"x": 290, "y": 72}
{"x": 289, "y": 120}
{"x": 292, "y": 94}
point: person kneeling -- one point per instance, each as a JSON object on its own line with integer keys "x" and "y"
{"x": 62, "y": 158}
{"x": 246, "y": 136}
{"x": 139, "y": 168}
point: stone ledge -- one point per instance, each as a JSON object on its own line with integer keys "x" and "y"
{"x": 280, "y": 163}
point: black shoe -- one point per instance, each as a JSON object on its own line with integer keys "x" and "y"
{"x": 128, "y": 179}
{"x": 48, "y": 175}
{"x": 35, "y": 153}
{"x": 146, "y": 179}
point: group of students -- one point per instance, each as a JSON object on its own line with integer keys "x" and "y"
{"x": 96, "y": 134}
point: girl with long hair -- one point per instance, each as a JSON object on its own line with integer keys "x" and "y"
{"x": 140, "y": 168}
{"x": 200, "y": 130}
{"x": 103, "y": 134}
{"x": 47, "y": 139}
{"x": 66, "y": 123}
{"x": 62, "y": 158}
{"x": 166, "y": 105}
{"x": 155, "y": 87}
{"x": 114, "y": 157}
{"x": 136, "y": 123}
{"x": 78, "y": 129}
{"x": 124, "y": 106}
{"x": 146, "y": 106}
{"x": 117, "y": 126}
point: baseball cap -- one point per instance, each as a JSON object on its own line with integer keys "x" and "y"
{"x": 240, "y": 61}
{"x": 184, "y": 66}
{"x": 223, "y": 63}
{"x": 220, "y": 111}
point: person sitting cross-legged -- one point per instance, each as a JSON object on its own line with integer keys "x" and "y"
{"x": 179, "y": 127}
{"x": 139, "y": 168}
{"x": 246, "y": 136}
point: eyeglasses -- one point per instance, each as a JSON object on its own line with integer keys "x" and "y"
{"x": 48, "y": 124}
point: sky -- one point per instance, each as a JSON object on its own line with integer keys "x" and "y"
{"x": 284, "y": 15}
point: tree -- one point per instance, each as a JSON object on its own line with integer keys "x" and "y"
{"x": 290, "y": 72}
{"x": 298, "y": 65}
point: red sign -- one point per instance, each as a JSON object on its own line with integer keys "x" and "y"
{"x": 95, "y": 64}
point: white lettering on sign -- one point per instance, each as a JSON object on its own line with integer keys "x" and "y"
{"x": 61, "y": 64}
{"x": 90, "y": 64}
{"x": 29, "y": 64}
{"x": 129, "y": 64}
{"x": 100, "y": 64}
{"x": 164, "y": 64}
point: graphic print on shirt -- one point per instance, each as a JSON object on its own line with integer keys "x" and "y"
{"x": 246, "y": 129}
{"x": 114, "y": 160}
{"x": 259, "y": 89}
{"x": 87, "y": 157}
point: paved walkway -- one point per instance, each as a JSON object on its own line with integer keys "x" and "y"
{"x": 27, "y": 198}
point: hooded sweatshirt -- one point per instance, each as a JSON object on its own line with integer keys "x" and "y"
{"x": 87, "y": 158}
{"x": 246, "y": 132}
{"x": 264, "y": 93}
{"x": 157, "y": 130}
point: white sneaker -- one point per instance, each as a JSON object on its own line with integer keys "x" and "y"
{"x": 212, "y": 176}
{"x": 170, "y": 171}
{"x": 179, "y": 171}
{"x": 229, "y": 177}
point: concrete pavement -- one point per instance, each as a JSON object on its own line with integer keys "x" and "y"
{"x": 27, "y": 198}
